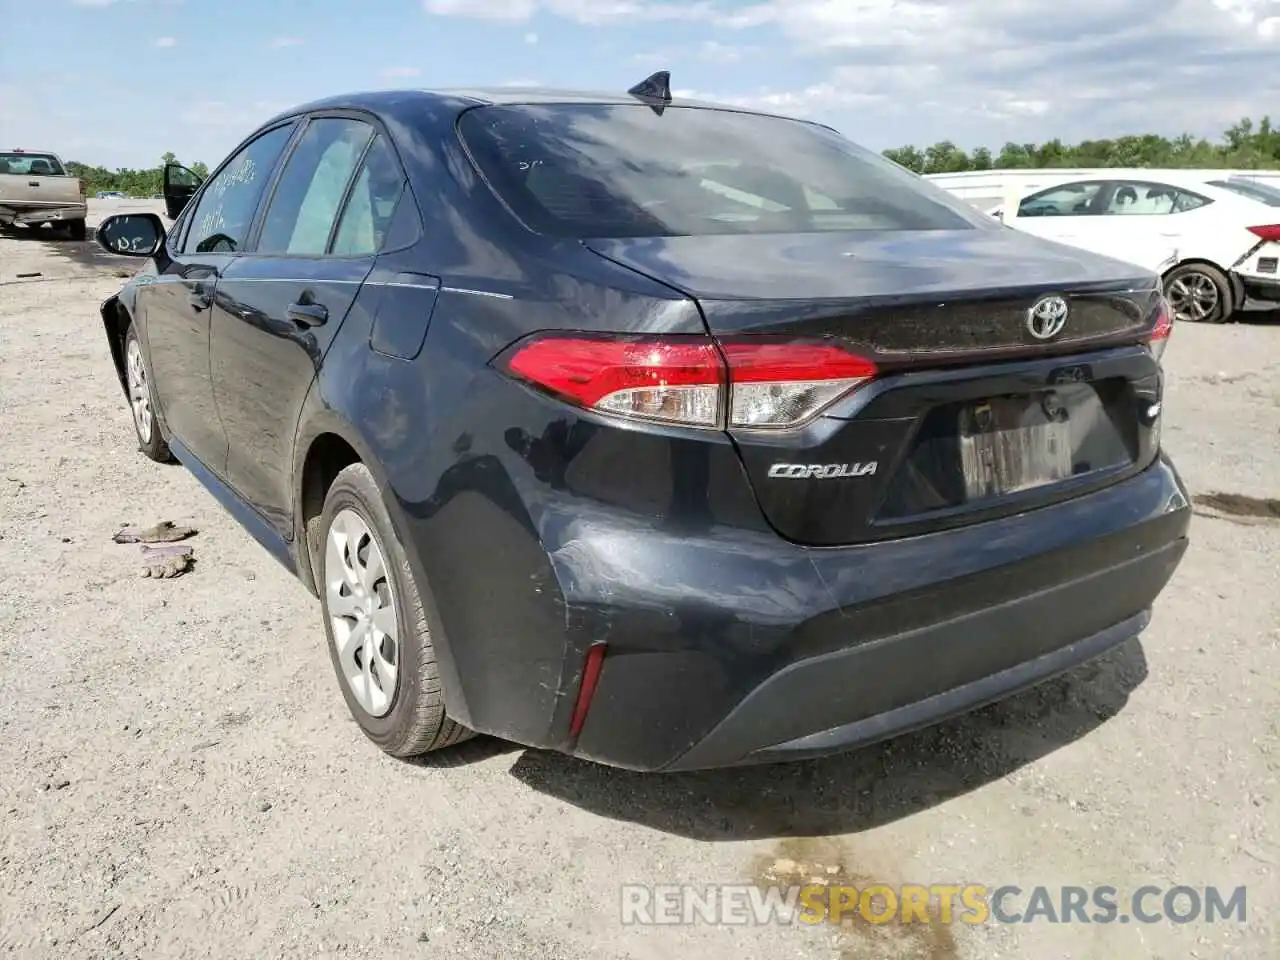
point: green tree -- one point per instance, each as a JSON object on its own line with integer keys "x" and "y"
{"x": 1244, "y": 145}
{"x": 135, "y": 183}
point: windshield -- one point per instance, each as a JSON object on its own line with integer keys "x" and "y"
{"x": 31, "y": 164}
{"x": 604, "y": 170}
{"x": 1251, "y": 189}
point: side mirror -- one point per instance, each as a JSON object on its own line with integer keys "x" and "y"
{"x": 131, "y": 234}
{"x": 180, "y": 185}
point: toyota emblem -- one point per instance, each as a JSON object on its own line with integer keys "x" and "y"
{"x": 1046, "y": 319}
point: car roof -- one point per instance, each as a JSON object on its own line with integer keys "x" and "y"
{"x": 462, "y": 98}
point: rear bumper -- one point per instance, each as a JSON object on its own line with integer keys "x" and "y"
{"x": 1260, "y": 288}
{"x": 733, "y": 646}
{"x": 869, "y": 642}
{"x": 37, "y": 215}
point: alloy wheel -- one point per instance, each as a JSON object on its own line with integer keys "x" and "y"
{"x": 362, "y": 612}
{"x": 1194, "y": 297}
{"x": 139, "y": 391}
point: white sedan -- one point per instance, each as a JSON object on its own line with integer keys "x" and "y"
{"x": 1215, "y": 242}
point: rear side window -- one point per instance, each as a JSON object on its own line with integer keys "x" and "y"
{"x": 606, "y": 170}
{"x": 1134, "y": 198}
{"x": 311, "y": 187}
{"x": 1253, "y": 190}
{"x": 374, "y": 196}
{"x": 31, "y": 164}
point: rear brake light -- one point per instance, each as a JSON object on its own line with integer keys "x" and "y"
{"x": 687, "y": 380}
{"x": 1159, "y": 336}
{"x": 782, "y": 384}
{"x": 1271, "y": 233}
{"x": 675, "y": 379}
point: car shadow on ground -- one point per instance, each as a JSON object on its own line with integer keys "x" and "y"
{"x": 85, "y": 253}
{"x": 843, "y": 794}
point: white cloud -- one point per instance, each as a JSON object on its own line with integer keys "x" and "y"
{"x": 713, "y": 51}
{"x": 582, "y": 11}
{"x": 164, "y": 42}
{"x": 972, "y": 70}
{"x": 239, "y": 120}
{"x": 279, "y": 43}
{"x": 400, "y": 72}
{"x": 530, "y": 38}
{"x": 482, "y": 9}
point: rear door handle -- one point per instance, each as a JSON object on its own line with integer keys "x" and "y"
{"x": 308, "y": 314}
{"x": 33, "y": 183}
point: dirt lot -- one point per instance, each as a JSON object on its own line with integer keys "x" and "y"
{"x": 179, "y": 778}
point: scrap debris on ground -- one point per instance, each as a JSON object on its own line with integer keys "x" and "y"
{"x": 163, "y": 557}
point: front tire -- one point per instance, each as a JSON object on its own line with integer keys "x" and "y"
{"x": 142, "y": 400}
{"x": 375, "y": 623}
{"x": 1199, "y": 293}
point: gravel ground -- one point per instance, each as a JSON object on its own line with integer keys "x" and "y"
{"x": 179, "y": 778}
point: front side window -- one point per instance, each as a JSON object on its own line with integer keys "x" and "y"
{"x": 224, "y": 211}
{"x": 623, "y": 170}
{"x": 311, "y": 187}
{"x": 1066, "y": 200}
{"x": 31, "y": 165}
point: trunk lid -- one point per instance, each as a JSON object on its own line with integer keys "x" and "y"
{"x": 972, "y": 415}
{"x": 901, "y": 296}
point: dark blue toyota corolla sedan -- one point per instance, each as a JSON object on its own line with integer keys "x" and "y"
{"x": 663, "y": 434}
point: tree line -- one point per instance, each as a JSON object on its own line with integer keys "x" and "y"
{"x": 1243, "y": 146}
{"x": 134, "y": 183}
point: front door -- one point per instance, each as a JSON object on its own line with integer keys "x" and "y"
{"x": 1066, "y": 212}
{"x": 279, "y": 308}
{"x": 179, "y": 304}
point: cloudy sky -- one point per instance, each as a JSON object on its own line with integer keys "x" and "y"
{"x": 118, "y": 82}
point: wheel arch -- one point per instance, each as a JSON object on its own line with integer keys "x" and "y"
{"x": 325, "y": 446}
{"x": 326, "y": 443}
{"x": 115, "y": 321}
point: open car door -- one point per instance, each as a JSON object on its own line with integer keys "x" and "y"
{"x": 180, "y": 184}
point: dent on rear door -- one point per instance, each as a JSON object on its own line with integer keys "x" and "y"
{"x": 264, "y": 361}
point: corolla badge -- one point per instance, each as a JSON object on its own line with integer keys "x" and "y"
{"x": 1047, "y": 317}
{"x": 821, "y": 471}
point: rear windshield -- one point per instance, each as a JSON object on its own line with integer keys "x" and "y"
{"x": 31, "y": 164}
{"x": 1254, "y": 191}
{"x": 603, "y": 170}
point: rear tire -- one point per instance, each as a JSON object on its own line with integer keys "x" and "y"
{"x": 1199, "y": 293}
{"x": 77, "y": 229}
{"x": 142, "y": 403}
{"x": 375, "y": 623}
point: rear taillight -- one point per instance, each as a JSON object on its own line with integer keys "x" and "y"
{"x": 679, "y": 379}
{"x": 689, "y": 380}
{"x": 1159, "y": 336}
{"x": 784, "y": 384}
{"x": 1270, "y": 234}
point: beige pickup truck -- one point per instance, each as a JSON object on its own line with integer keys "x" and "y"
{"x": 35, "y": 188}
